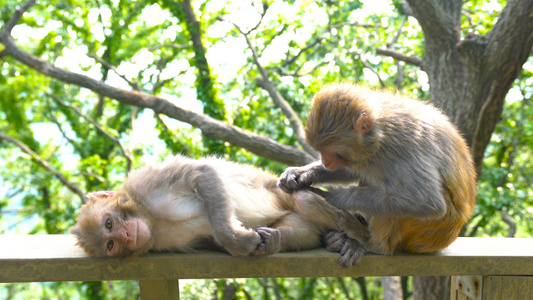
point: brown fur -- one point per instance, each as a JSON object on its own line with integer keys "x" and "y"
{"x": 417, "y": 183}
{"x": 189, "y": 204}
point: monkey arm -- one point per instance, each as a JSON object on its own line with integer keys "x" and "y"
{"x": 227, "y": 230}
{"x": 381, "y": 202}
{"x": 296, "y": 178}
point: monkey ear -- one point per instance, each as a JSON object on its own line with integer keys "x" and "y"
{"x": 364, "y": 123}
{"x": 95, "y": 196}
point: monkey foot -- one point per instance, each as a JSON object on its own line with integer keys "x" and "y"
{"x": 270, "y": 241}
{"x": 351, "y": 250}
{"x": 334, "y": 240}
{"x": 351, "y": 253}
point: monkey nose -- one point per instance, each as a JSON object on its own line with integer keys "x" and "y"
{"x": 127, "y": 236}
{"x": 124, "y": 236}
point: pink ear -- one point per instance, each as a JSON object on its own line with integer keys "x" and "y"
{"x": 95, "y": 196}
{"x": 364, "y": 123}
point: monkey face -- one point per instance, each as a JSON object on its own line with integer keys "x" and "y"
{"x": 122, "y": 236}
{"x": 107, "y": 227}
{"x": 332, "y": 160}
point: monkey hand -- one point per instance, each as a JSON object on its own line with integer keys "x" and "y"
{"x": 351, "y": 250}
{"x": 239, "y": 242}
{"x": 270, "y": 241}
{"x": 294, "y": 179}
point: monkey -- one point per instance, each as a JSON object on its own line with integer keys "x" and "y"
{"x": 183, "y": 204}
{"x": 409, "y": 170}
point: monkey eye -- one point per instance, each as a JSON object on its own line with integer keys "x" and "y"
{"x": 110, "y": 244}
{"x": 108, "y": 224}
{"x": 339, "y": 156}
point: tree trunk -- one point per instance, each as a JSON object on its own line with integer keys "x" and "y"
{"x": 392, "y": 288}
{"x": 431, "y": 288}
{"x": 469, "y": 78}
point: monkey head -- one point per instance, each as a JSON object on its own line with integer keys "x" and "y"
{"x": 341, "y": 126}
{"x": 111, "y": 224}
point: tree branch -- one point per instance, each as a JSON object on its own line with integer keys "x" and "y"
{"x": 134, "y": 85}
{"x": 73, "y": 143}
{"x": 71, "y": 186}
{"x": 210, "y": 127}
{"x": 98, "y": 127}
{"x": 510, "y": 222}
{"x": 278, "y": 99}
{"x": 294, "y": 119}
{"x": 17, "y": 15}
{"x": 356, "y": 56}
{"x": 438, "y": 19}
{"x": 304, "y": 49}
{"x": 398, "y": 34}
{"x": 398, "y": 56}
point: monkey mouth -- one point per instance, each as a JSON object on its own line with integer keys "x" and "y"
{"x": 141, "y": 234}
{"x": 134, "y": 235}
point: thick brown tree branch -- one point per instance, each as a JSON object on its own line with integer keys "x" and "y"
{"x": 210, "y": 127}
{"x": 38, "y": 159}
{"x": 398, "y": 56}
{"x": 436, "y": 16}
{"x": 17, "y": 15}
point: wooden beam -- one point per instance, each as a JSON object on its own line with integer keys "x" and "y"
{"x": 40, "y": 258}
{"x": 159, "y": 289}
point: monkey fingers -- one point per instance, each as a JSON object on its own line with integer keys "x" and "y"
{"x": 351, "y": 253}
{"x": 294, "y": 179}
{"x": 270, "y": 241}
{"x": 334, "y": 241}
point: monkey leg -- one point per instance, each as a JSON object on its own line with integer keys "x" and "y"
{"x": 297, "y": 233}
{"x": 356, "y": 227}
{"x": 350, "y": 234}
{"x": 387, "y": 235}
{"x": 315, "y": 209}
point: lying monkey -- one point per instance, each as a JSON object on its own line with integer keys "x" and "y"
{"x": 184, "y": 204}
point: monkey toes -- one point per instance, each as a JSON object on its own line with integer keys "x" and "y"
{"x": 351, "y": 250}
{"x": 270, "y": 241}
{"x": 351, "y": 253}
{"x": 334, "y": 241}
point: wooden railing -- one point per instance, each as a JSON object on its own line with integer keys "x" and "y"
{"x": 483, "y": 268}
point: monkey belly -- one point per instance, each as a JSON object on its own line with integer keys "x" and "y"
{"x": 412, "y": 235}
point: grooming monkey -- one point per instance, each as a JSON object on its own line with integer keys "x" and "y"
{"x": 184, "y": 204}
{"x": 415, "y": 175}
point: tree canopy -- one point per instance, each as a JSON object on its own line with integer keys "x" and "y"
{"x": 92, "y": 89}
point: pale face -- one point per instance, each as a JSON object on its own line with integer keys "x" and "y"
{"x": 123, "y": 235}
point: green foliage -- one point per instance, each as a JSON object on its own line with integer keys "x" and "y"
{"x": 505, "y": 184}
